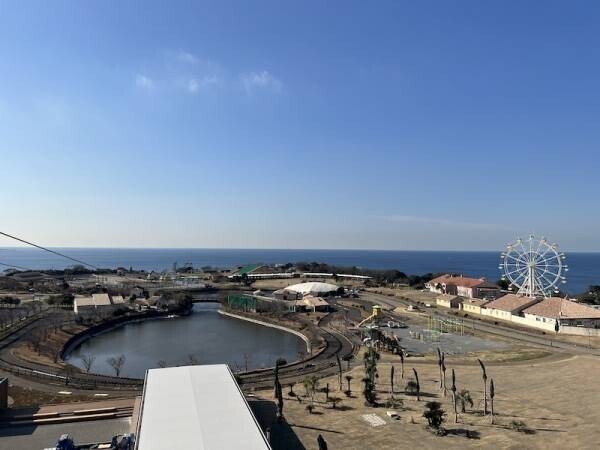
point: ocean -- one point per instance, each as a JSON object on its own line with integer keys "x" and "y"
{"x": 584, "y": 268}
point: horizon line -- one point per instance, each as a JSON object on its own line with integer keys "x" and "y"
{"x": 277, "y": 249}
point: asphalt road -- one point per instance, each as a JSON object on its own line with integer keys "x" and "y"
{"x": 28, "y": 437}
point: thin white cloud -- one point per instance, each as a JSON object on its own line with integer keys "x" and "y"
{"x": 144, "y": 82}
{"x": 260, "y": 80}
{"x": 447, "y": 223}
{"x": 186, "y": 57}
{"x": 194, "y": 85}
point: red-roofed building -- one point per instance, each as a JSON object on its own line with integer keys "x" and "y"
{"x": 463, "y": 286}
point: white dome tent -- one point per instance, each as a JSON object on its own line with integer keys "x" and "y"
{"x": 316, "y": 289}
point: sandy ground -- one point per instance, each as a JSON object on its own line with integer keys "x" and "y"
{"x": 555, "y": 399}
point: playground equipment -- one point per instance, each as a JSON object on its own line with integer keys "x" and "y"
{"x": 376, "y": 314}
{"x": 445, "y": 325}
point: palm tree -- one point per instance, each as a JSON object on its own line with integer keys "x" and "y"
{"x": 279, "y": 396}
{"x": 444, "y": 374}
{"x": 440, "y": 362}
{"x": 334, "y": 401}
{"x": 484, "y": 377}
{"x": 464, "y": 397}
{"x": 492, "y": 393}
{"x": 349, "y": 379}
{"x": 453, "y": 388}
{"x": 339, "y": 363}
{"x": 417, "y": 385}
{"x": 402, "y": 364}
{"x": 392, "y": 378}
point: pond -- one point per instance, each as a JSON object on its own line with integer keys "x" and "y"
{"x": 203, "y": 337}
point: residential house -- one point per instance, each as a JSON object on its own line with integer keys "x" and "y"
{"x": 463, "y": 286}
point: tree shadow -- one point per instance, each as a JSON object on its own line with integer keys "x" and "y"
{"x": 317, "y": 429}
{"x": 282, "y": 435}
{"x": 343, "y": 408}
{"x": 464, "y": 432}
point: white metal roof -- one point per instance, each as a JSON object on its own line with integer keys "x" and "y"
{"x": 196, "y": 408}
{"x": 117, "y": 299}
{"x": 313, "y": 288}
{"x": 101, "y": 299}
{"x": 84, "y": 301}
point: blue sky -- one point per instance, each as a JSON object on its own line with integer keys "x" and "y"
{"x": 389, "y": 125}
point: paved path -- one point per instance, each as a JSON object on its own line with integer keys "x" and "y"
{"x": 39, "y": 437}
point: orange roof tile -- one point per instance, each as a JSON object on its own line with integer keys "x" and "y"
{"x": 557, "y": 308}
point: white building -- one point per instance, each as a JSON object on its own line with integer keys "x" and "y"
{"x": 507, "y": 306}
{"x": 196, "y": 407}
{"x": 546, "y": 313}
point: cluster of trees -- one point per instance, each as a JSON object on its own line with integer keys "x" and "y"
{"x": 8, "y": 300}
{"x": 380, "y": 277}
{"x": 592, "y": 296}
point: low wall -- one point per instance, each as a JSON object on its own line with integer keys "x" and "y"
{"x": 579, "y": 331}
{"x": 267, "y": 324}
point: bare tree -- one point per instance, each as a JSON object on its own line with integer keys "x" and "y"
{"x": 117, "y": 363}
{"x": 392, "y": 379}
{"x": 87, "y": 361}
{"x": 484, "y": 377}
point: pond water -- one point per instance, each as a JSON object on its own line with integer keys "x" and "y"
{"x": 205, "y": 337}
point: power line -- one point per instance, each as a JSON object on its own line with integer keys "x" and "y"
{"x": 13, "y": 266}
{"x": 47, "y": 250}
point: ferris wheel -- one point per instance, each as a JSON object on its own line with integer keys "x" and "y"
{"x": 533, "y": 267}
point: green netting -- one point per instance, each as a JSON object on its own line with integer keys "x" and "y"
{"x": 241, "y": 302}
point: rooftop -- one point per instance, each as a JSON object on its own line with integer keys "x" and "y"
{"x": 101, "y": 299}
{"x": 196, "y": 407}
{"x": 313, "y": 288}
{"x": 510, "y": 302}
{"x": 461, "y": 281}
{"x": 557, "y": 308}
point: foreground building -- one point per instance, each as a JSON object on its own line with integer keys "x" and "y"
{"x": 567, "y": 313}
{"x": 196, "y": 407}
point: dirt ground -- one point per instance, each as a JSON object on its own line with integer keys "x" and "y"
{"x": 554, "y": 398}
